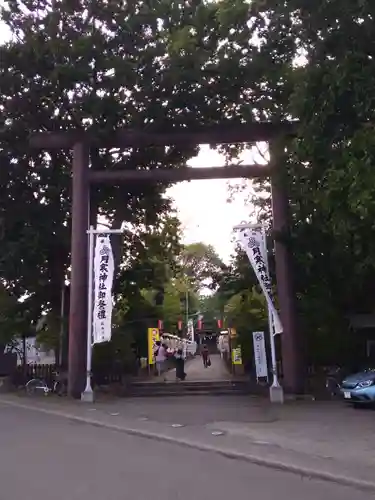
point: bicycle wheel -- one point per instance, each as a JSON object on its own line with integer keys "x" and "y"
{"x": 59, "y": 388}
{"x": 35, "y": 386}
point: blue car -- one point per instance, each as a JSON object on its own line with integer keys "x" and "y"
{"x": 359, "y": 389}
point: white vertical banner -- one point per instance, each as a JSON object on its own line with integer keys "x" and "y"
{"x": 190, "y": 330}
{"x": 252, "y": 242}
{"x": 260, "y": 355}
{"x": 103, "y": 280}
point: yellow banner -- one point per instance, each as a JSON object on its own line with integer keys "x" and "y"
{"x": 152, "y": 337}
{"x": 237, "y": 356}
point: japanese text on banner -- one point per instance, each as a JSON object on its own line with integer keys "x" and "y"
{"x": 103, "y": 280}
{"x": 260, "y": 356}
{"x": 252, "y": 242}
{"x": 153, "y": 335}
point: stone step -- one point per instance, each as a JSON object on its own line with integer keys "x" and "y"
{"x": 148, "y": 394}
{"x": 185, "y": 388}
{"x": 195, "y": 383}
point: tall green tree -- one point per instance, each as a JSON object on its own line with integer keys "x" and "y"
{"x": 329, "y": 89}
{"x": 200, "y": 264}
{"x": 142, "y": 283}
{"x": 105, "y": 65}
{"x": 16, "y": 320}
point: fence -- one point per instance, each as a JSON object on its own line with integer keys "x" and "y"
{"x": 100, "y": 376}
{"x": 23, "y": 373}
{"x": 48, "y": 373}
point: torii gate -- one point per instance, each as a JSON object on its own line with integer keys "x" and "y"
{"x": 229, "y": 133}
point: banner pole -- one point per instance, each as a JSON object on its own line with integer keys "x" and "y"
{"x": 275, "y": 326}
{"x": 275, "y": 379}
{"x": 88, "y": 394}
{"x": 276, "y": 391}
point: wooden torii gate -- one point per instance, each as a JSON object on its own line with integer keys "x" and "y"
{"x": 229, "y": 133}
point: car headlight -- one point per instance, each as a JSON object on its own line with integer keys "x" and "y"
{"x": 365, "y": 383}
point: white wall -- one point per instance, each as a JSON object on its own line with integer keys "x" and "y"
{"x": 35, "y": 354}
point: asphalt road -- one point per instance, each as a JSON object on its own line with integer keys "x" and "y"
{"x": 50, "y": 458}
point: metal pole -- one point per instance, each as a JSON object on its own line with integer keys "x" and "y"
{"x": 187, "y": 309}
{"x": 275, "y": 379}
{"x": 62, "y": 311}
{"x": 88, "y": 394}
{"x": 24, "y": 349}
{"x": 276, "y": 390}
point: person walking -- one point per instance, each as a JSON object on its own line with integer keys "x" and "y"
{"x": 205, "y": 356}
{"x": 160, "y": 357}
{"x": 180, "y": 364}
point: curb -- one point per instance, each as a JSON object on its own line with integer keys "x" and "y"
{"x": 234, "y": 455}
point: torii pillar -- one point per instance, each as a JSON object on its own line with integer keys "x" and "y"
{"x": 291, "y": 346}
{"x": 79, "y": 270}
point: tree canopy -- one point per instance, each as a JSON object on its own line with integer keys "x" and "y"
{"x": 104, "y": 65}
{"x": 158, "y": 66}
{"x": 322, "y": 62}
{"x": 199, "y": 264}
{"x": 107, "y": 65}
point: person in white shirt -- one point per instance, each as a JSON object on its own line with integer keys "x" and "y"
{"x": 160, "y": 357}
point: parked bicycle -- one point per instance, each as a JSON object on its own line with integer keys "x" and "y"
{"x": 39, "y": 386}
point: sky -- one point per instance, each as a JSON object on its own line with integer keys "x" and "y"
{"x": 202, "y": 205}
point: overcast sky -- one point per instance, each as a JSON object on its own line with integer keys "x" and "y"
{"x": 203, "y": 208}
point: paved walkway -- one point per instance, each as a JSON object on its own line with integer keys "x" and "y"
{"x": 196, "y": 372}
{"x": 321, "y": 438}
